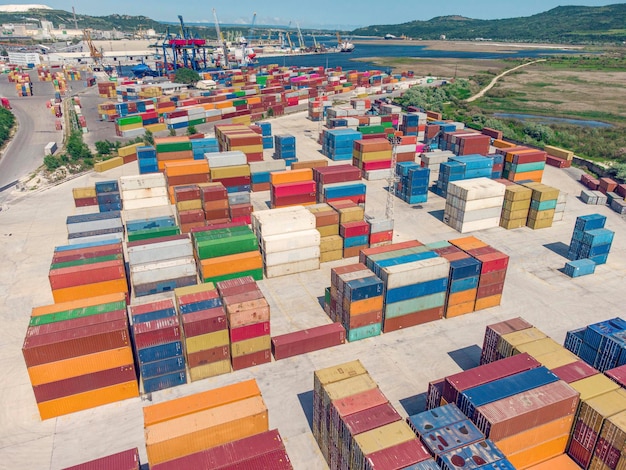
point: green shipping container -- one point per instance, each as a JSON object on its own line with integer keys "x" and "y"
{"x": 124, "y": 121}
{"x": 77, "y": 313}
{"x": 80, "y": 262}
{"x": 227, "y": 246}
{"x": 239, "y": 102}
{"x": 153, "y": 233}
{"x": 327, "y": 296}
{"x": 221, "y": 233}
{"x": 261, "y": 79}
{"x": 371, "y": 129}
{"x": 525, "y": 167}
{"x": 404, "y": 307}
{"x": 363, "y": 332}
{"x": 256, "y": 274}
{"x": 195, "y": 122}
{"x": 173, "y": 147}
{"x": 240, "y": 93}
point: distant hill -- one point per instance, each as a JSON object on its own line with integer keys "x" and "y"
{"x": 569, "y": 24}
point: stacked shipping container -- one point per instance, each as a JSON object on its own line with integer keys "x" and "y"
{"x": 474, "y": 204}
{"x": 294, "y": 187}
{"x": 327, "y": 224}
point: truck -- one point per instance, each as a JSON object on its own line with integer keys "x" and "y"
{"x": 4, "y": 102}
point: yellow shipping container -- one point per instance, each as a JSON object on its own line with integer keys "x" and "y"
{"x": 511, "y": 224}
{"x": 209, "y": 370}
{"x": 205, "y": 429}
{"x": 158, "y": 127}
{"x": 559, "y": 152}
{"x": 540, "y": 346}
{"x": 108, "y": 164}
{"x": 383, "y": 437}
{"x": 351, "y": 214}
{"x": 129, "y": 149}
{"x": 180, "y": 291}
{"x": 128, "y": 127}
{"x": 255, "y": 148}
{"x": 230, "y": 171}
{"x": 510, "y": 341}
{"x": 328, "y": 230}
{"x": 245, "y": 119}
{"x": 207, "y": 341}
{"x": 249, "y": 346}
{"x": 329, "y": 375}
{"x": 189, "y": 205}
{"x": 557, "y": 358}
{"x": 331, "y": 243}
{"x": 593, "y": 386}
{"x": 80, "y": 193}
{"x": 373, "y": 156}
{"x": 594, "y": 411}
{"x": 334, "y": 255}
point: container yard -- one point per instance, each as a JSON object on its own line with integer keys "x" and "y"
{"x": 242, "y": 308}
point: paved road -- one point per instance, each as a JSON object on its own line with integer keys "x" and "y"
{"x": 24, "y": 153}
{"x": 495, "y": 80}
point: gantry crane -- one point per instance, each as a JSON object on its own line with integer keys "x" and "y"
{"x": 300, "y": 38}
{"x": 222, "y": 41}
{"x": 251, "y": 31}
{"x": 96, "y": 55}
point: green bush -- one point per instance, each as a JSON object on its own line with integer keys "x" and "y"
{"x": 51, "y": 162}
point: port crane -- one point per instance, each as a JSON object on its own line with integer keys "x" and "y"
{"x": 300, "y": 37}
{"x": 251, "y": 31}
{"x": 95, "y": 54}
{"x": 223, "y": 61}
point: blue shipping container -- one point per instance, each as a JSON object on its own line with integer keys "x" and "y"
{"x": 162, "y": 367}
{"x": 162, "y": 351}
{"x": 164, "y": 381}
{"x": 416, "y": 290}
{"x": 435, "y": 418}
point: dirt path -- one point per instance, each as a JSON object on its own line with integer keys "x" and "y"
{"x": 495, "y": 80}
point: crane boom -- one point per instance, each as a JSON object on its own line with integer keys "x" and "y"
{"x": 220, "y": 38}
{"x": 300, "y": 38}
{"x": 251, "y": 31}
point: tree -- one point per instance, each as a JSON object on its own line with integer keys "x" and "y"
{"x": 149, "y": 137}
{"x": 187, "y": 76}
{"x": 172, "y": 131}
{"x": 104, "y": 147}
{"x": 191, "y": 130}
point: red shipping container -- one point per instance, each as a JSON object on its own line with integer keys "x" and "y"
{"x": 412, "y": 319}
{"x": 79, "y": 322}
{"x": 492, "y": 262}
{"x": 386, "y": 249}
{"x": 354, "y": 229}
{"x": 381, "y": 237}
{"x": 495, "y": 277}
{"x": 304, "y": 341}
{"x": 186, "y": 193}
{"x": 621, "y": 190}
{"x": 84, "y": 383}
{"x": 376, "y": 165}
{"x": 282, "y": 201}
{"x": 457, "y": 383}
{"x": 364, "y": 319}
{"x": 208, "y": 356}
{"x": 579, "y": 454}
{"x": 234, "y": 452}
{"x": 617, "y": 374}
{"x": 253, "y": 330}
{"x": 151, "y": 306}
{"x": 126, "y": 460}
{"x": 371, "y": 418}
{"x": 488, "y": 291}
{"x": 234, "y": 301}
{"x": 204, "y": 321}
{"x": 197, "y": 297}
{"x": 217, "y": 214}
{"x": 251, "y": 360}
{"x": 155, "y": 332}
{"x": 575, "y": 371}
{"x": 236, "y": 286}
{"x": 65, "y": 344}
{"x": 276, "y": 460}
{"x": 607, "y": 185}
{"x": 191, "y": 216}
{"x": 529, "y": 157}
{"x": 149, "y": 241}
{"x": 234, "y": 181}
{"x": 240, "y": 210}
{"x": 336, "y": 174}
{"x": 607, "y": 453}
{"x": 398, "y": 457}
{"x": 557, "y": 162}
{"x": 213, "y": 193}
{"x": 86, "y": 201}
{"x": 87, "y": 252}
{"x": 293, "y": 189}
{"x": 584, "y": 435}
{"x": 86, "y": 274}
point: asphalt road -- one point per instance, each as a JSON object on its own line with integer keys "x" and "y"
{"x": 25, "y": 152}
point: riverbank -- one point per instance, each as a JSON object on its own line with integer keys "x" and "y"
{"x": 467, "y": 46}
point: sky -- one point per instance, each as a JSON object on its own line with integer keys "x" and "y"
{"x": 327, "y": 14}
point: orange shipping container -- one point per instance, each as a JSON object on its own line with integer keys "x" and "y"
{"x": 186, "y": 167}
{"x": 231, "y": 264}
{"x": 540, "y": 453}
{"x": 224, "y": 104}
{"x": 88, "y": 290}
{"x": 364, "y": 306}
{"x": 459, "y": 309}
{"x": 562, "y": 462}
{"x": 502, "y": 144}
{"x": 179, "y": 407}
{"x": 291, "y": 176}
{"x": 462, "y": 297}
{"x": 179, "y": 155}
{"x": 79, "y": 303}
{"x": 535, "y": 436}
{"x": 468, "y": 243}
{"x": 535, "y": 176}
{"x": 205, "y": 429}
{"x": 80, "y": 365}
{"x": 488, "y": 302}
{"x": 86, "y": 400}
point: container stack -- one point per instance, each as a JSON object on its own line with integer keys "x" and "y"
{"x": 125, "y": 460}
{"x": 285, "y": 148}
{"x": 81, "y": 275}
{"x": 215, "y": 204}
{"x": 108, "y": 195}
{"x": 260, "y": 173}
{"x": 517, "y": 201}
{"x": 266, "y": 134}
{"x": 158, "y": 345}
{"x": 412, "y": 186}
{"x": 239, "y": 137}
{"x": 179, "y": 428}
{"x": 172, "y": 148}
{"x": 354, "y": 424}
{"x": 185, "y": 172}
{"x": 327, "y": 224}
{"x": 590, "y": 239}
{"x": 288, "y": 240}
{"x": 147, "y": 159}
{"x": 433, "y": 160}
{"x": 143, "y": 191}
{"x": 603, "y": 344}
{"x": 188, "y": 203}
{"x": 474, "y": 204}
{"x": 351, "y": 216}
{"x": 337, "y": 144}
{"x": 227, "y": 253}
{"x": 358, "y": 301}
{"x": 558, "y": 157}
{"x": 205, "y": 329}
{"x": 231, "y": 169}
{"x": 410, "y": 124}
{"x": 381, "y": 231}
{"x": 292, "y": 188}
{"x": 248, "y": 315}
{"x": 129, "y": 152}
{"x": 151, "y": 222}
{"x": 161, "y": 264}
{"x": 372, "y": 157}
{"x": 493, "y": 337}
{"x": 240, "y": 207}
{"x": 459, "y": 168}
{"x": 94, "y": 228}
{"x": 523, "y": 163}
{"x": 447, "y": 433}
{"x": 204, "y": 145}
{"x": 78, "y": 355}
{"x": 462, "y": 286}
{"x": 84, "y": 197}
{"x": 339, "y": 182}
{"x": 542, "y": 205}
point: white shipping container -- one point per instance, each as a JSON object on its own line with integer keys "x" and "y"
{"x": 161, "y": 251}
{"x": 483, "y": 224}
{"x": 470, "y": 216}
{"x": 292, "y": 268}
{"x": 376, "y": 175}
{"x": 132, "y": 194}
{"x": 241, "y": 197}
{"x": 435, "y": 157}
{"x": 374, "y": 120}
{"x": 177, "y": 120}
{"x": 415, "y": 272}
{"x": 476, "y": 188}
{"x": 290, "y": 241}
{"x": 113, "y": 237}
{"x": 147, "y": 202}
{"x": 150, "y": 180}
{"x": 92, "y": 225}
{"x": 406, "y": 148}
{"x": 132, "y": 132}
{"x": 213, "y": 112}
{"x": 475, "y": 204}
{"x": 147, "y": 213}
{"x": 224, "y": 159}
{"x": 291, "y": 256}
{"x": 275, "y": 221}
{"x": 163, "y": 270}
{"x": 230, "y": 109}
{"x": 265, "y": 166}
{"x": 379, "y": 225}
